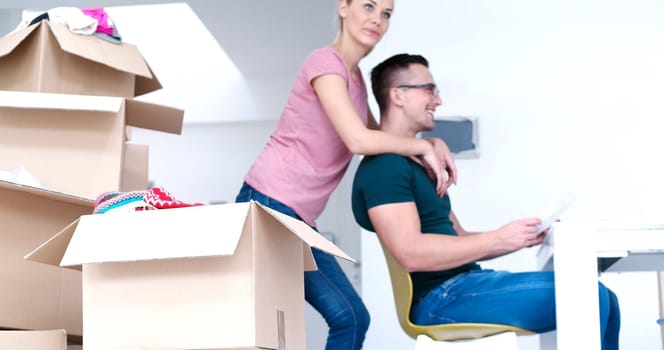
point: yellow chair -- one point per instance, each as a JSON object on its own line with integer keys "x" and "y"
{"x": 402, "y": 291}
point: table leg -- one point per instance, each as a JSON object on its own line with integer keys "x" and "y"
{"x": 577, "y": 300}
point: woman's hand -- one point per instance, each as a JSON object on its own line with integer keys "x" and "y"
{"x": 440, "y": 165}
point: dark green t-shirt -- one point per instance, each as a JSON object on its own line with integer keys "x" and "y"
{"x": 390, "y": 178}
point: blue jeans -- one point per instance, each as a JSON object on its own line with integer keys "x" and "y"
{"x": 327, "y": 289}
{"x": 525, "y": 300}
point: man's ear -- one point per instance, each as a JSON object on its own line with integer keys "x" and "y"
{"x": 396, "y": 97}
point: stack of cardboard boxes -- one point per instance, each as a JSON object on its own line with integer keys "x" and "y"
{"x": 66, "y": 110}
{"x": 224, "y": 276}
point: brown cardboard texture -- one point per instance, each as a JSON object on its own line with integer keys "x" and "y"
{"x": 55, "y": 339}
{"x": 74, "y": 144}
{"x": 48, "y": 57}
{"x": 224, "y": 276}
{"x": 37, "y": 296}
{"x": 135, "y": 169}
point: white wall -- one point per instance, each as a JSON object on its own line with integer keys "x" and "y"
{"x": 207, "y": 162}
{"x": 568, "y": 95}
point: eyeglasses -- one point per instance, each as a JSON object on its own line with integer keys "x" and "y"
{"x": 431, "y": 87}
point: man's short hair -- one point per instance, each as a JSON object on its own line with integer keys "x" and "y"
{"x": 387, "y": 73}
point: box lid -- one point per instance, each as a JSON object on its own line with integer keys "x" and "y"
{"x": 191, "y": 232}
{"x": 124, "y": 57}
{"x": 9, "y": 42}
{"x": 140, "y": 114}
{"x": 40, "y": 192}
{"x": 50, "y": 339}
{"x": 48, "y": 195}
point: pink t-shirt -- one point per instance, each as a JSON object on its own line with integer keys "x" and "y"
{"x": 304, "y": 159}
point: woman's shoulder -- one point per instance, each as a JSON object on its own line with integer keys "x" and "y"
{"x": 325, "y": 51}
{"x": 324, "y": 60}
{"x": 324, "y": 54}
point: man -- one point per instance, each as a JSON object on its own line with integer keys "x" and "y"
{"x": 393, "y": 196}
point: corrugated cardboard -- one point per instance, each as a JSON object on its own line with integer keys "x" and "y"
{"x": 48, "y": 57}
{"x": 74, "y": 144}
{"x": 37, "y": 296}
{"x": 225, "y": 276}
{"x": 135, "y": 169}
{"x": 55, "y": 339}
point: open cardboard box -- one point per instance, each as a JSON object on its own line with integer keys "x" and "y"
{"x": 227, "y": 276}
{"x": 51, "y": 339}
{"x": 37, "y": 296}
{"x": 48, "y": 57}
{"x": 75, "y": 144}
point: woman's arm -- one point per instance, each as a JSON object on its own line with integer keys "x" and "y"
{"x": 440, "y": 148}
{"x": 447, "y": 161}
{"x": 333, "y": 94}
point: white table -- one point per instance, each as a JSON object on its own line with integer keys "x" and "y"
{"x": 579, "y": 248}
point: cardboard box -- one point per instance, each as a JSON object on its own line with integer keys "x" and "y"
{"x": 227, "y": 276}
{"x": 37, "y": 296}
{"x": 74, "y": 144}
{"x": 48, "y": 57}
{"x": 55, "y": 339}
{"x": 135, "y": 175}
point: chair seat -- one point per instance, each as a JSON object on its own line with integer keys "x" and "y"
{"x": 402, "y": 290}
{"x": 457, "y": 331}
{"x": 502, "y": 341}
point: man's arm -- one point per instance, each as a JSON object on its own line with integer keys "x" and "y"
{"x": 523, "y": 225}
{"x": 398, "y": 228}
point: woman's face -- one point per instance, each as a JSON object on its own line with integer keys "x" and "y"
{"x": 366, "y": 21}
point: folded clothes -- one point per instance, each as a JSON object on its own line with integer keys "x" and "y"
{"x": 154, "y": 198}
{"x": 159, "y": 198}
{"x": 120, "y": 201}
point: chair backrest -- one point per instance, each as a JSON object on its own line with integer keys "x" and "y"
{"x": 402, "y": 291}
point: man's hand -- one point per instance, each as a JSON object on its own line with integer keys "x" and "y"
{"x": 519, "y": 234}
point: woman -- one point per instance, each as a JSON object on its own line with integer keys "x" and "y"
{"x": 325, "y": 121}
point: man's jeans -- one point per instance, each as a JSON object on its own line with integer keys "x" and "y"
{"x": 327, "y": 289}
{"x": 525, "y": 300}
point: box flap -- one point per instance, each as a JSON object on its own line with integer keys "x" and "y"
{"x": 306, "y": 233}
{"x": 145, "y": 85}
{"x": 9, "y": 42}
{"x": 62, "y": 197}
{"x": 210, "y": 230}
{"x": 309, "y": 262}
{"x": 43, "y": 100}
{"x": 139, "y": 114}
{"x": 50, "y": 339}
{"x": 124, "y": 57}
{"x": 152, "y": 116}
{"x": 52, "y": 251}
